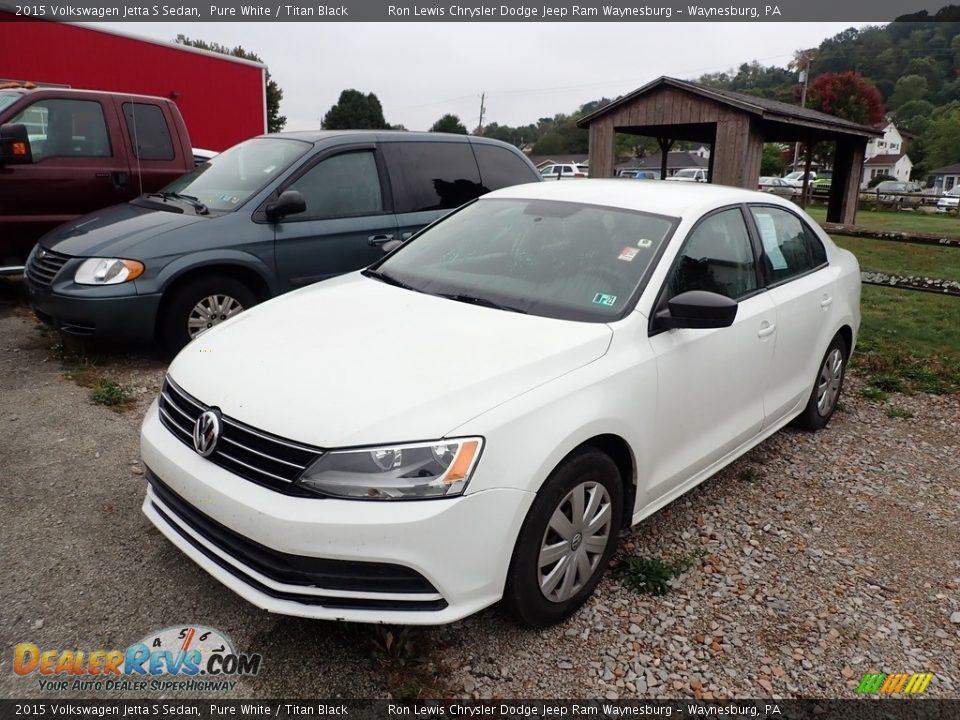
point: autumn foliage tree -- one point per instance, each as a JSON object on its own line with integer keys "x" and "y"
{"x": 847, "y": 95}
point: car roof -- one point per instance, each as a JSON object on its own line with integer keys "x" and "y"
{"x": 315, "y": 136}
{"x": 662, "y": 198}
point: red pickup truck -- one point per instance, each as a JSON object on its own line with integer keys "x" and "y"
{"x": 65, "y": 153}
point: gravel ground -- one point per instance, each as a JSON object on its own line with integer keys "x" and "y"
{"x": 814, "y": 559}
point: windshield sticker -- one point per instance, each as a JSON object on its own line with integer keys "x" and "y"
{"x": 644, "y": 243}
{"x": 768, "y": 237}
{"x": 604, "y": 299}
{"x": 628, "y": 254}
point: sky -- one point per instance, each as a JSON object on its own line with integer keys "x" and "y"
{"x": 420, "y": 71}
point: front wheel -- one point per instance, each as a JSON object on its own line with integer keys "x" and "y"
{"x": 566, "y": 541}
{"x": 199, "y": 304}
{"x": 826, "y": 389}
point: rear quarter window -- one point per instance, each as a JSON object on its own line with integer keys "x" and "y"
{"x": 501, "y": 168}
{"x": 432, "y": 175}
{"x": 149, "y": 134}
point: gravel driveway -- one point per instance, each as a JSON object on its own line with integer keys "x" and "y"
{"x": 813, "y": 560}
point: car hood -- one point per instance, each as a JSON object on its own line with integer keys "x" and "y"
{"x": 115, "y": 231}
{"x": 352, "y": 361}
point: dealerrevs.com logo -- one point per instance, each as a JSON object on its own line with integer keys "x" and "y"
{"x": 191, "y": 658}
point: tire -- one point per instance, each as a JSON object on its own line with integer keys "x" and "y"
{"x": 826, "y": 386}
{"x": 188, "y": 303}
{"x": 586, "y": 474}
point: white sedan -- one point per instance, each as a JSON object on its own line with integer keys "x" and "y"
{"x": 479, "y": 415}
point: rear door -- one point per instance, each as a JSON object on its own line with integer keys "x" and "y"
{"x": 801, "y": 285}
{"x": 429, "y": 179}
{"x": 78, "y": 165}
{"x": 155, "y": 148}
{"x": 347, "y": 220}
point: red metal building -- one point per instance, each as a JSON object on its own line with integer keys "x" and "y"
{"x": 222, "y": 98}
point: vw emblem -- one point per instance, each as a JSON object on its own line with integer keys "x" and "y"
{"x": 206, "y": 432}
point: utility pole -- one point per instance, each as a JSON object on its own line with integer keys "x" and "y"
{"x": 805, "y": 79}
{"x": 482, "y": 98}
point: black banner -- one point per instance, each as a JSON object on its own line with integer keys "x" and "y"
{"x": 864, "y": 709}
{"x": 615, "y": 11}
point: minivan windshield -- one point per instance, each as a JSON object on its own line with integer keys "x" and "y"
{"x": 229, "y": 179}
{"x": 555, "y": 259}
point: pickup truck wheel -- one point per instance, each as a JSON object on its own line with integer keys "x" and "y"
{"x": 199, "y": 304}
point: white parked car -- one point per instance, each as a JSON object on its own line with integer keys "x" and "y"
{"x": 564, "y": 171}
{"x": 480, "y": 414}
{"x": 777, "y": 186}
{"x": 690, "y": 175}
{"x": 795, "y": 178}
{"x": 950, "y": 200}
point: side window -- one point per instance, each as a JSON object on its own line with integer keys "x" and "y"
{"x": 717, "y": 257}
{"x": 501, "y": 168}
{"x": 65, "y": 128}
{"x": 345, "y": 185}
{"x": 149, "y": 134}
{"x": 431, "y": 175}
{"x": 790, "y": 248}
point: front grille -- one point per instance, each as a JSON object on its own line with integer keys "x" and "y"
{"x": 44, "y": 265}
{"x": 295, "y": 570}
{"x": 245, "y": 451}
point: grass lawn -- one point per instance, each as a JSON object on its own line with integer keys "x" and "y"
{"x": 903, "y": 221}
{"x": 909, "y": 341}
{"x": 904, "y": 259}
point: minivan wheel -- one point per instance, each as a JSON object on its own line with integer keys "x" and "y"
{"x": 827, "y": 386}
{"x": 199, "y": 304}
{"x": 566, "y": 541}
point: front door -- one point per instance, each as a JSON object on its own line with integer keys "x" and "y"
{"x": 345, "y": 224}
{"x": 711, "y": 382}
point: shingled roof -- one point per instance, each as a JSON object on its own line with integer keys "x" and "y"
{"x": 772, "y": 110}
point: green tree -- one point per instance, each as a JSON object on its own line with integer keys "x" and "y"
{"x": 449, "y": 123}
{"x": 942, "y": 139}
{"x": 772, "y": 161}
{"x": 355, "y": 111}
{"x": 909, "y": 88}
{"x": 275, "y": 121}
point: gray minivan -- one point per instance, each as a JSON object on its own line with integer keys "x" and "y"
{"x": 269, "y": 215}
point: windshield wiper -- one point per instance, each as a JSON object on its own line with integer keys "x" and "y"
{"x": 190, "y": 200}
{"x": 388, "y": 279}
{"x": 474, "y": 300}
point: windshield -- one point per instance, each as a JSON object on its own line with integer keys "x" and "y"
{"x": 229, "y": 179}
{"x": 687, "y": 173}
{"x": 555, "y": 259}
{"x": 9, "y": 97}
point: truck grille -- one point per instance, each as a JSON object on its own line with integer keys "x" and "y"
{"x": 44, "y": 265}
{"x": 245, "y": 451}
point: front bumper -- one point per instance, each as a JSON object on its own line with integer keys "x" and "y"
{"x": 442, "y": 559}
{"x": 113, "y": 317}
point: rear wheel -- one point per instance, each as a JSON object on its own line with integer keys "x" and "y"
{"x": 199, "y": 304}
{"x": 826, "y": 389}
{"x": 566, "y": 541}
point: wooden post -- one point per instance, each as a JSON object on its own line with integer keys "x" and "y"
{"x": 808, "y": 150}
{"x": 665, "y": 145}
{"x": 845, "y": 183}
{"x": 601, "y": 148}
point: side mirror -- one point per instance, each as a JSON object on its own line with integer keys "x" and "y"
{"x": 15, "y": 145}
{"x": 697, "y": 309}
{"x": 290, "y": 202}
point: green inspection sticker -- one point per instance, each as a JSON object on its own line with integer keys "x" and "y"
{"x": 604, "y": 299}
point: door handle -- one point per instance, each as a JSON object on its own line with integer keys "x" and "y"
{"x": 380, "y": 239}
{"x": 825, "y": 301}
{"x": 766, "y": 330}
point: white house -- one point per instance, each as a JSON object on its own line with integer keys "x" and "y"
{"x": 886, "y": 156}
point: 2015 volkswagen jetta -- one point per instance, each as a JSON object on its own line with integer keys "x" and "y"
{"x": 478, "y": 415}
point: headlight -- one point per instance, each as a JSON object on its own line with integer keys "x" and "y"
{"x": 396, "y": 472}
{"x": 107, "y": 271}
